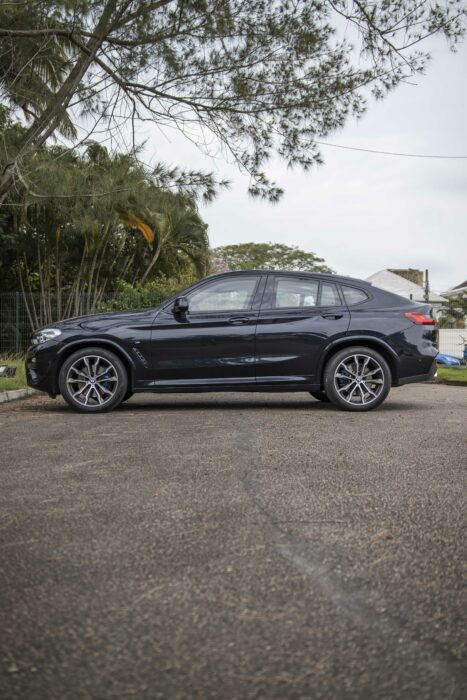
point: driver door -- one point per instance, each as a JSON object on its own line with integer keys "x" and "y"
{"x": 213, "y": 343}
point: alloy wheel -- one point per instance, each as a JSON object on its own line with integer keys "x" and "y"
{"x": 359, "y": 379}
{"x": 92, "y": 380}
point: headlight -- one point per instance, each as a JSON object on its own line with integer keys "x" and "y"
{"x": 44, "y": 335}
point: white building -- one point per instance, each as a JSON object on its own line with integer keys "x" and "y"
{"x": 391, "y": 282}
{"x": 456, "y": 291}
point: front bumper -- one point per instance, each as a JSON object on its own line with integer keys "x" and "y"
{"x": 40, "y": 363}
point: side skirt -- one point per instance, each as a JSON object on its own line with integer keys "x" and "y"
{"x": 253, "y": 388}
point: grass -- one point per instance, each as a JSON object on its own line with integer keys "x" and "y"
{"x": 452, "y": 374}
{"x": 17, "y": 382}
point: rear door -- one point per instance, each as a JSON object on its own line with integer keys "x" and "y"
{"x": 299, "y": 317}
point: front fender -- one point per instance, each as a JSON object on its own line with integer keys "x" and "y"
{"x": 70, "y": 347}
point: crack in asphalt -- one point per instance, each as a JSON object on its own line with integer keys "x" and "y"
{"x": 363, "y": 605}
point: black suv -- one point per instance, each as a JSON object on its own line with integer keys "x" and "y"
{"x": 338, "y": 338}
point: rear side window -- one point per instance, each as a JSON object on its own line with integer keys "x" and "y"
{"x": 353, "y": 296}
{"x": 329, "y": 295}
{"x": 290, "y": 292}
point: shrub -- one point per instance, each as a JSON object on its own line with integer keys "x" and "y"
{"x": 141, "y": 296}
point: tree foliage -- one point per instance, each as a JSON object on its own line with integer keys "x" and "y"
{"x": 454, "y": 314}
{"x": 261, "y": 77}
{"x": 269, "y": 256}
{"x": 66, "y": 253}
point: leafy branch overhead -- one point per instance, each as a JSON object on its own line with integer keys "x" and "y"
{"x": 261, "y": 77}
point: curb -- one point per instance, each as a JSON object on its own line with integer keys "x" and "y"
{"x": 14, "y": 394}
{"x": 451, "y": 383}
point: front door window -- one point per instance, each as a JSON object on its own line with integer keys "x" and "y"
{"x": 227, "y": 295}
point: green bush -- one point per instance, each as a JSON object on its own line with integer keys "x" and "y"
{"x": 130, "y": 297}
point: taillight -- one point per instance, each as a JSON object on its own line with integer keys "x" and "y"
{"x": 421, "y": 319}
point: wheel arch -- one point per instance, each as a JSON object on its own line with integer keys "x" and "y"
{"x": 362, "y": 341}
{"x": 104, "y": 343}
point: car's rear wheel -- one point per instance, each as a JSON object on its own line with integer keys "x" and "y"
{"x": 93, "y": 380}
{"x": 357, "y": 379}
{"x": 320, "y": 396}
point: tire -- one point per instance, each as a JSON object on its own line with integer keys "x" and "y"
{"x": 371, "y": 384}
{"x": 320, "y": 396}
{"x": 128, "y": 395}
{"x": 93, "y": 380}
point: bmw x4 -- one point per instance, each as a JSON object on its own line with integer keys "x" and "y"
{"x": 340, "y": 339}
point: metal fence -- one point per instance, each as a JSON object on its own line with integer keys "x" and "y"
{"x": 452, "y": 341}
{"x": 14, "y": 324}
{"x": 20, "y": 317}
{"x": 17, "y": 320}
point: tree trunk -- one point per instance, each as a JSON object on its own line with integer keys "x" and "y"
{"x": 7, "y": 180}
{"x": 32, "y": 322}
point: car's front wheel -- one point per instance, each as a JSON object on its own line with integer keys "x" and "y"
{"x": 93, "y": 380}
{"x": 357, "y": 379}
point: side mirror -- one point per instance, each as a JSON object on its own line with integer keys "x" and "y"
{"x": 180, "y": 305}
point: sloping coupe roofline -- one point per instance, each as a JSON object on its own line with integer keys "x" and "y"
{"x": 296, "y": 273}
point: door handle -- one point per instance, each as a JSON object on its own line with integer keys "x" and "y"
{"x": 332, "y": 316}
{"x": 238, "y": 320}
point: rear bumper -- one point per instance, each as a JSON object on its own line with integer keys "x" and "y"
{"x": 416, "y": 354}
{"x": 418, "y": 377}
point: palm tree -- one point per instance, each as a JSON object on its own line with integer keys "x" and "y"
{"x": 179, "y": 232}
{"x": 101, "y": 221}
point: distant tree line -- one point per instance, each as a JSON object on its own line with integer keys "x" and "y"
{"x": 269, "y": 256}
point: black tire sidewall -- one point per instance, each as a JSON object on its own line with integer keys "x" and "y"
{"x": 110, "y": 357}
{"x": 328, "y": 379}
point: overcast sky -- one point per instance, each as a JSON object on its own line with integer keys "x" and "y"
{"x": 363, "y": 212}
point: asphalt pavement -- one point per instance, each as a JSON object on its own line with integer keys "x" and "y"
{"x": 234, "y": 546}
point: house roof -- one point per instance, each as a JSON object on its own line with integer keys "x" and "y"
{"x": 462, "y": 287}
{"x": 389, "y": 281}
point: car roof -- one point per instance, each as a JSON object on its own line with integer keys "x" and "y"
{"x": 295, "y": 273}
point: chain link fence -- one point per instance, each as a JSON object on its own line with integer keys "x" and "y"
{"x": 12, "y": 322}
{"x": 19, "y": 318}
